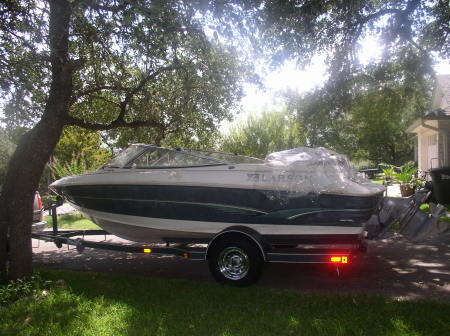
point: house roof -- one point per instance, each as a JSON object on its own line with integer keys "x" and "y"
{"x": 439, "y": 114}
{"x": 440, "y": 104}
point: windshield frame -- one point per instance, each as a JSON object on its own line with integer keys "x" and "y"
{"x": 189, "y": 152}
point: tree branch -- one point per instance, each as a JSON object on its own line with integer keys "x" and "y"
{"x": 115, "y": 124}
{"x": 95, "y": 5}
{"x": 378, "y": 14}
{"x": 97, "y": 89}
{"x": 144, "y": 80}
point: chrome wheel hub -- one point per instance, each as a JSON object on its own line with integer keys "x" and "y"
{"x": 234, "y": 263}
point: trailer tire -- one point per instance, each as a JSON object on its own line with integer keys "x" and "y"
{"x": 235, "y": 260}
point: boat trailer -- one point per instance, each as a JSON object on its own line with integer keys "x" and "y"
{"x": 337, "y": 253}
{"x": 237, "y": 254}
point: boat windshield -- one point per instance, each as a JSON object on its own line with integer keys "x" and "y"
{"x": 147, "y": 156}
{"x": 226, "y": 157}
{"x": 125, "y": 156}
{"x": 160, "y": 157}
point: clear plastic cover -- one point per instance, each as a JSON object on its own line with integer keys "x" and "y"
{"x": 318, "y": 170}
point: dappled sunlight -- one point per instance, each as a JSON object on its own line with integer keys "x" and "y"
{"x": 101, "y": 304}
{"x": 419, "y": 263}
{"x": 404, "y": 271}
{"x": 438, "y": 271}
{"x": 66, "y": 313}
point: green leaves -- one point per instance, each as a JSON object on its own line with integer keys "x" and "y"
{"x": 258, "y": 136}
{"x": 77, "y": 152}
{"x": 147, "y": 63}
{"x": 406, "y": 175}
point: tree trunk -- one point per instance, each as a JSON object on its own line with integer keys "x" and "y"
{"x": 32, "y": 153}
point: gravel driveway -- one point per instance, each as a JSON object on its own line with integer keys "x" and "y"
{"x": 392, "y": 267}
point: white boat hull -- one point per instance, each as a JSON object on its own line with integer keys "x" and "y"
{"x": 149, "y": 230}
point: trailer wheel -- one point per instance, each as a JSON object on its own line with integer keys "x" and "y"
{"x": 235, "y": 260}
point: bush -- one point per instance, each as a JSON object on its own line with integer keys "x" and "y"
{"x": 20, "y": 288}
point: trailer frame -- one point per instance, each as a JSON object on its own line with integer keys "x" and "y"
{"x": 337, "y": 254}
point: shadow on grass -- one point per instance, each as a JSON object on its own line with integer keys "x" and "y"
{"x": 102, "y": 304}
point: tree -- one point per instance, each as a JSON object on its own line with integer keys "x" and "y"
{"x": 304, "y": 29}
{"x": 6, "y": 150}
{"x": 410, "y": 33}
{"x": 257, "y": 136}
{"x": 372, "y": 125}
{"x": 83, "y": 146}
{"x": 100, "y": 65}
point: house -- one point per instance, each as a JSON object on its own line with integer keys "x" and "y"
{"x": 433, "y": 130}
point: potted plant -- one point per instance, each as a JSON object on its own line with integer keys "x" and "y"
{"x": 406, "y": 178}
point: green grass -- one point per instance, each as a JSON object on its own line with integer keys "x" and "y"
{"x": 72, "y": 221}
{"x": 378, "y": 180}
{"x": 105, "y": 304}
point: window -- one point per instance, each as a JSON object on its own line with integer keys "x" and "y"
{"x": 125, "y": 156}
{"x": 158, "y": 157}
{"x": 226, "y": 157}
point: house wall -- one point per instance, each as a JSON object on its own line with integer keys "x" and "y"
{"x": 444, "y": 148}
{"x": 428, "y": 146}
{"x": 431, "y": 143}
{"x": 422, "y": 156}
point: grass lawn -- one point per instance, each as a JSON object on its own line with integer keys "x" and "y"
{"x": 106, "y": 304}
{"x": 378, "y": 180}
{"x": 72, "y": 221}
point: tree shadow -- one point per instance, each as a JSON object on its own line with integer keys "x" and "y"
{"x": 393, "y": 267}
{"x": 111, "y": 304}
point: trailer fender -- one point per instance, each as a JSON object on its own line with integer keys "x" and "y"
{"x": 247, "y": 232}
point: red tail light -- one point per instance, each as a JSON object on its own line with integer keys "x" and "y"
{"x": 339, "y": 259}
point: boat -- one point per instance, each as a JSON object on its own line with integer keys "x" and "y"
{"x": 153, "y": 194}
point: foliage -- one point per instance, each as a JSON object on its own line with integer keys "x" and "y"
{"x": 101, "y": 65}
{"x": 83, "y": 146}
{"x": 363, "y": 109}
{"x": 6, "y": 150}
{"x": 161, "y": 76}
{"x": 76, "y": 166}
{"x": 409, "y": 30}
{"x": 426, "y": 208}
{"x": 389, "y": 173}
{"x": 372, "y": 124}
{"x": 362, "y": 164}
{"x": 104, "y": 64}
{"x": 260, "y": 135}
{"x": 406, "y": 175}
{"x": 20, "y": 288}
